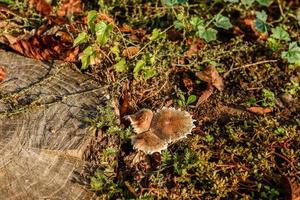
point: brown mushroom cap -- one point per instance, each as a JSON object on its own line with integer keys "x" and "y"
{"x": 156, "y": 131}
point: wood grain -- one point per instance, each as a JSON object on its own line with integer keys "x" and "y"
{"x": 43, "y": 133}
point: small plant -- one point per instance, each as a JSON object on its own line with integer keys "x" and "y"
{"x": 269, "y": 98}
{"x": 103, "y": 182}
{"x": 98, "y": 35}
{"x": 292, "y": 55}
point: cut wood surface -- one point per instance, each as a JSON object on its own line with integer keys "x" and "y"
{"x": 43, "y": 133}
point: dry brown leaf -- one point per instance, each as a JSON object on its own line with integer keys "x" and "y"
{"x": 259, "y": 110}
{"x": 205, "y": 95}
{"x": 69, "y": 7}
{"x": 211, "y": 76}
{"x": 187, "y": 82}
{"x": 126, "y": 29}
{"x": 195, "y": 46}
{"x": 41, "y": 6}
{"x": 47, "y": 43}
{"x": 72, "y": 55}
{"x": 105, "y": 17}
{"x": 7, "y": 39}
{"x": 124, "y": 103}
{"x": 217, "y": 80}
{"x": 2, "y": 74}
{"x": 129, "y": 52}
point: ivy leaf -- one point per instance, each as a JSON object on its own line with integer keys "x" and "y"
{"x": 88, "y": 56}
{"x": 264, "y": 2}
{"x": 197, "y": 21}
{"x": 247, "y": 3}
{"x": 82, "y": 37}
{"x": 280, "y": 34}
{"x": 178, "y": 24}
{"x": 191, "y": 99}
{"x": 298, "y": 17}
{"x": 102, "y": 32}
{"x": 91, "y": 17}
{"x": 261, "y": 21}
{"x": 293, "y": 54}
{"x": 138, "y": 67}
{"x": 222, "y": 22}
{"x": 121, "y": 66}
{"x": 208, "y": 35}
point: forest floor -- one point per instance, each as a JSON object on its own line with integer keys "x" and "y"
{"x": 233, "y": 65}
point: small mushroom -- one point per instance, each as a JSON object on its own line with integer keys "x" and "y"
{"x": 155, "y": 131}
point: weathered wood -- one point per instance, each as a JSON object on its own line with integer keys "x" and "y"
{"x": 42, "y": 129}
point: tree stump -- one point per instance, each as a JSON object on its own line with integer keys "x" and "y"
{"x": 43, "y": 132}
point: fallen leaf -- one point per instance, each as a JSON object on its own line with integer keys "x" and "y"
{"x": 72, "y": 55}
{"x": 2, "y": 74}
{"x": 259, "y": 110}
{"x": 126, "y": 29}
{"x": 47, "y": 43}
{"x": 41, "y": 6}
{"x": 129, "y": 52}
{"x": 69, "y": 7}
{"x": 205, "y": 94}
{"x": 217, "y": 80}
{"x": 187, "y": 82}
{"x": 124, "y": 103}
{"x": 195, "y": 46}
{"x": 211, "y": 76}
{"x": 105, "y": 17}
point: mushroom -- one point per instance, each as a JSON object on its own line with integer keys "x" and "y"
{"x": 155, "y": 131}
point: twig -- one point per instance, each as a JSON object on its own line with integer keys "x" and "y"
{"x": 249, "y": 65}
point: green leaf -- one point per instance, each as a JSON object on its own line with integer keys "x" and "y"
{"x": 116, "y": 51}
{"x": 247, "y": 3}
{"x": 88, "y": 56}
{"x": 280, "y": 34}
{"x": 264, "y": 2}
{"x": 82, "y": 37}
{"x": 149, "y": 73}
{"x": 197, "y": 21}
{"x": 293, "y": 54}
{"x": 138, "y": 67}
{"x": 191, "y": 99}
{"x": 7, "y": 1}
{"x": 121, "y": 66}
{"x": 102, "y": 32}
{"x": 262, "y": 16}
{"x": 222, "y": 22}
{"x": 274, "y": 44}
{"x": 91, "y": 17}
{"x": 261, "y": 21}
{"x": 209, "y": 138}
{"x": 208, "y": 35}
{"x": 178, "y": 24}
{"x": 280, "y": 131}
